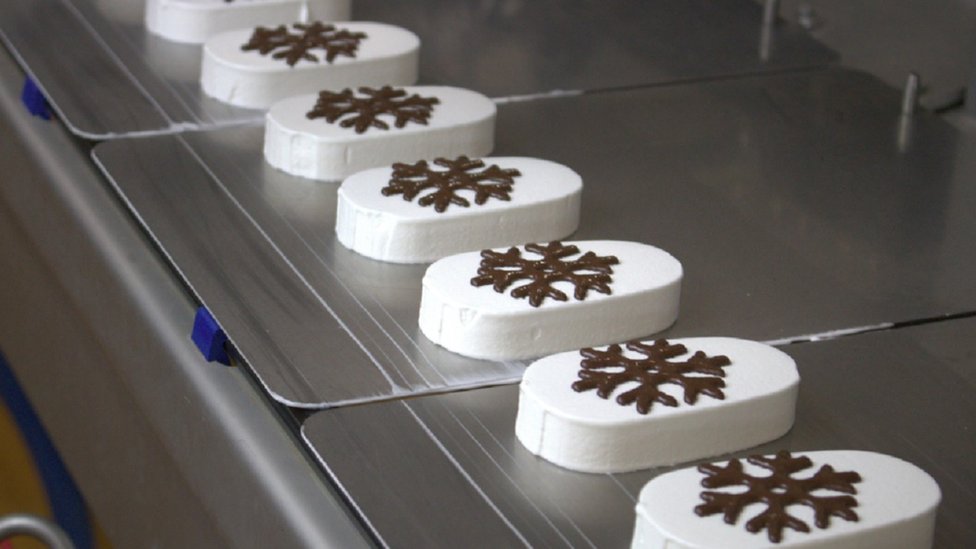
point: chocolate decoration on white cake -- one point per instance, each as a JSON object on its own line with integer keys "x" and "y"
{"x": 364, "y": 110}
{"x": 299, "y": 45}
{"x": 444, "y": 186}
{"x": 504, "y": 269}
{"x": 607, "y": 370}
{"x": 778, "y": 491}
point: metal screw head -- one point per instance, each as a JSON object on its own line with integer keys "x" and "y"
{"x": 807, "y": 17}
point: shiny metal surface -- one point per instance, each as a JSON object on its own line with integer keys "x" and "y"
{"x": 168, "y": 450}
{"x": 36, "y": 527}
{"x": 890, "y": 38}
{"x": 105, "y": 75}
{"x": 108, "y": 77}
{"x": 545, "y": 45}
{"x": 790, "y": 200}
{"x": 907, "y": 393}
{"x": 318, "y": 324}
{"x": 794, "y": 202}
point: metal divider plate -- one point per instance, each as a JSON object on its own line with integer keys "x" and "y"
{"x": 105, "y": 74}
{"x": 908, "y": 393}
{"x": 108, "y": 77}
{"x": 784, "y": 196}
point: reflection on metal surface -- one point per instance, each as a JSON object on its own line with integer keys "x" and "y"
{"x": 880, "y": 392}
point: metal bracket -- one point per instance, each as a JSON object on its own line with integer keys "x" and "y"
{"x": 209, "y": 337}
{"x": 33, "y": 98}
{"x": 36, "y": 527}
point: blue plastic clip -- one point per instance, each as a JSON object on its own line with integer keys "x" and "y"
{"x": 34, "y": 100}
{"x": 209, "y": 337}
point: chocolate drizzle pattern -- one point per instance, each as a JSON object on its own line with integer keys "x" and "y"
{"x": 504, "y": 269}
{"x": 363, "y": 111}
{"x": 295, "y": 46}
{"x": 778, "y": 491}
{"x": 460, "y": 174}
{"x": 607, "y": 370}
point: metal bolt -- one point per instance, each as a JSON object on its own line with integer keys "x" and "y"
{"x": 909, "y": 100}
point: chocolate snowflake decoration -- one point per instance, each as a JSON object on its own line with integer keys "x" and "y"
{"x": 587, "y": 272}
{"x": 460, "y": 174}
{"x": 778, "y": 492}
{"x": 294, "y": 46}
{"x": 365, "y": 110}
{"x": 607, "y": 370}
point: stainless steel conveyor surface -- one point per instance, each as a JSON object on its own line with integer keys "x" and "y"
{"x": 467, "y": 481}
{"x": 108, "y": 77}
{"x": 783, "y": 196}
{"x": 803, "y": 206}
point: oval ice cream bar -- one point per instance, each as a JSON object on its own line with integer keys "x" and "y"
{"x": 421, "y": 211}
{"x": 333, "y": 134}
{"x": 195, "y": 21}
{"x": 650, "y": 403}
{"x": 256, "y": 67}
{"x": 537, "y": 299}
{"x": 839, "y": 499}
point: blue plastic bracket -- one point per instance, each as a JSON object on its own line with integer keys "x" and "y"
{"x": 209, "y": 337}
{"x": 33, "y": 98}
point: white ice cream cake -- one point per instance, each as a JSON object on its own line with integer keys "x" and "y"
{"x": 254, "y": 68}
{"x": 422, "y": 211}
{"x": 839, "y": 499}
{"x": 532, "y": 300}
{"x": 656, "y": 402}
{"x": 334, "y": 134}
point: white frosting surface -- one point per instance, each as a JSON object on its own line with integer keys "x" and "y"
{"x": 194, "y": 21}
{"x": 462, "y": 123}
{"x": 482, "y": 323}
{"x": 583, "y": 432}
{"x": 388, "y": 55}
{"x": 544, "y": 206}
{"x": 897, "y": 503}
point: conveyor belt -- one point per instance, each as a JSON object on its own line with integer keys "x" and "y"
{"x": 108, "y": 77}
{"x": 783, "y": 196}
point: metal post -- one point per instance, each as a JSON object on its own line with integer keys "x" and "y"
{"x": 909, "y": 103}
{"x": 770, "y": 13}
{"x": 970, "y": 101}
{"x": 909, "y": 99}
